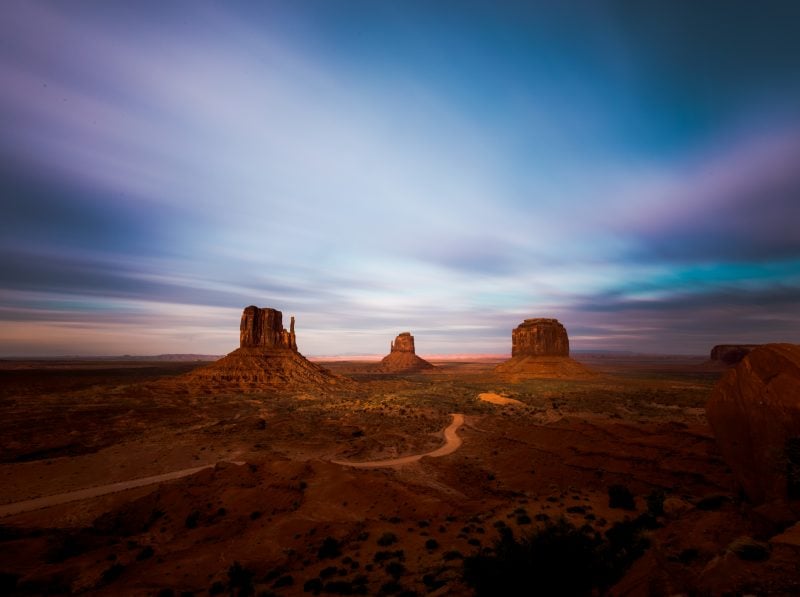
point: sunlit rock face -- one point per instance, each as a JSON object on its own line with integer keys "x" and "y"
{"x": 402, "y": 356}
{"x": 267, "y": 357}
{"x": 403, "y": 343}
{"x": 539, "y": 337}
{"x": 754, "y": 411}
{"x": 263, "y": 328}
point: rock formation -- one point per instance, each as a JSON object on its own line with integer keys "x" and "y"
{"x": 540, "y": 349}
{"x": 754, "y": 411}
{"x": 402, "y": 356}
{"x": 539, "y": 337}
{"x": 730, "y": 354}
{"x": 263, "y": 328}
{"x": 267, "y": 357}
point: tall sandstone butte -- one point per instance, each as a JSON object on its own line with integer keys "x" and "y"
{"x": 540, "y": 349}
{"x": 267, "y": 357}
{"x": 402, "y": 356}
{"x": 263, "y": 328}
{"x": 540, "y": 337}
{"x": 754, "y": 411}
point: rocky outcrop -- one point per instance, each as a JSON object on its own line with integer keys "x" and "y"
{"x": 754, "y": 411}
{"x": 403, "y": 343}
{"x": 540, "y": 349}
{"x": 263, "y": 328}
{"x": 267, "y": 357}
{"x": 402, "y": 356}
{"x": 730, "y": 354}
{"x": 539, "y": 337}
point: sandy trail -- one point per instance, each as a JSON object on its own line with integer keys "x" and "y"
{"x": 451, "y": 443}
{"x": 91, "y": 492}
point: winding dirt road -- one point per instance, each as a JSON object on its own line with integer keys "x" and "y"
{"x": 451, "y": 443}
{"x": 91, "y": 492}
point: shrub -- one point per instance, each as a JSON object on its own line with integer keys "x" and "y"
{"x": 620, "y": 496}
{"x": 431, "y": 544}
{"x": 387, "y": 539}
{"x": 330, "y": 548}
{"x": 240, "y": 579}
{"x": 395, "y": 569}
{"x": 557, "y": 559}
{"x": 655, "y": 502}
{"x": 747, "y": 548}
{"x": 313, "y": 585}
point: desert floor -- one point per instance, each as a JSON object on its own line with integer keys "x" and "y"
{"x": 119, "y": 478}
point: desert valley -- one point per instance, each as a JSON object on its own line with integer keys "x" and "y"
{"x": 264, "y": 473}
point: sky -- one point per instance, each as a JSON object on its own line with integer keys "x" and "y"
{"x": 448, "y": 168}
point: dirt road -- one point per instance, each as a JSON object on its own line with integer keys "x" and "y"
{"x": 91, "y": 492}
{"x": 451, "y": 443}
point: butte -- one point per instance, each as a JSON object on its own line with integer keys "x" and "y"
{"x": 402, "y": 357}
{"x": 540, "y": 349}
{"x": 267, "y": 357}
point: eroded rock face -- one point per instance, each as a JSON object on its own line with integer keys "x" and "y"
{"x": 539, "y": 337}
{"x": 263, "y": 328}
{"x": 267, "y": 357}
{"x": 402, "y": 356}
{"x": 730, "y": 354}
{"x": 403, "y": 343}
{"x": 754, "y": 411}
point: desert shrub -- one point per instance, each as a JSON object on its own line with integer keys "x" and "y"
{"x": 216, "y": 588}
{"x": 395, "y": 569}
{"x": 167, "y": 592}
{"x": 191, "y": 520}
{"x": 452, "y": 555}
{"x": 711, "y": 502}
{"x": 620, "y": 496}
{"x": 287, "y": 580}
{"x": 557, "y": 559}
{"x": 313, "y": 585}
{"x": 8, "y": 582}
{"x": 431, "y": 544}
{"x": 113, "y": 573}
{"x": 747, "y": 548}
{"x": 523, "y": 519}
{"x": 327, "y": 572}
{"x": 655, "y": 502}
{"x": 330, "y": 548}
{"x": 240, "y": 579}
{"x": 387, "y": 539}
{"x": 146, "y": 553}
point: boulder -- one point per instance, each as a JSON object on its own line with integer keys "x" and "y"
{"x": 539, "y": 337}
{"x": 754, "y": 412}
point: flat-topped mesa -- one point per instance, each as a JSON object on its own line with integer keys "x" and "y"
{"x": 731, "y": 354}
{"x": 403, "y": 343}
{"x": 263, "y": 328}
{"x": 540, "y": 349}
{"x": 539, "y": 337}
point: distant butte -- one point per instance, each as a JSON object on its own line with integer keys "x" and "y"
{"x": 267, "y": 356}
{"x": 402, "y": 356}
{"x": 731, "y": 354}
{"x": 540, "y": 349}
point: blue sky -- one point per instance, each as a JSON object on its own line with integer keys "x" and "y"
{"x": 448, "y": 168}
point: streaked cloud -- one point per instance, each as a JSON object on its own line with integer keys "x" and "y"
{"x": 372, "y": 168}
